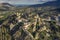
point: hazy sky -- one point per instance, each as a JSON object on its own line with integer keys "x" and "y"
{"x": 25, "y": 1}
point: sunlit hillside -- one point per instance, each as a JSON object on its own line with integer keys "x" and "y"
{"x": 31, "y": 22}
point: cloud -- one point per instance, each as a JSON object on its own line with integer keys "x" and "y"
{"x": 25, "y": 1}
{"x": 46, "y": 0}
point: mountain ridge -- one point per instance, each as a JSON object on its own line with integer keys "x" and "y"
{"x": 6, "y": 6}
{"x": 51, "y": 3}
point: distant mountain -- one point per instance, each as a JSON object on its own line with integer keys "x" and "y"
{"x": 6, "y": 6}
{"x": 51, "y": 3}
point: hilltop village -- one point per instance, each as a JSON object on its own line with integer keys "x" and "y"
{"x": 29, "y": 23}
